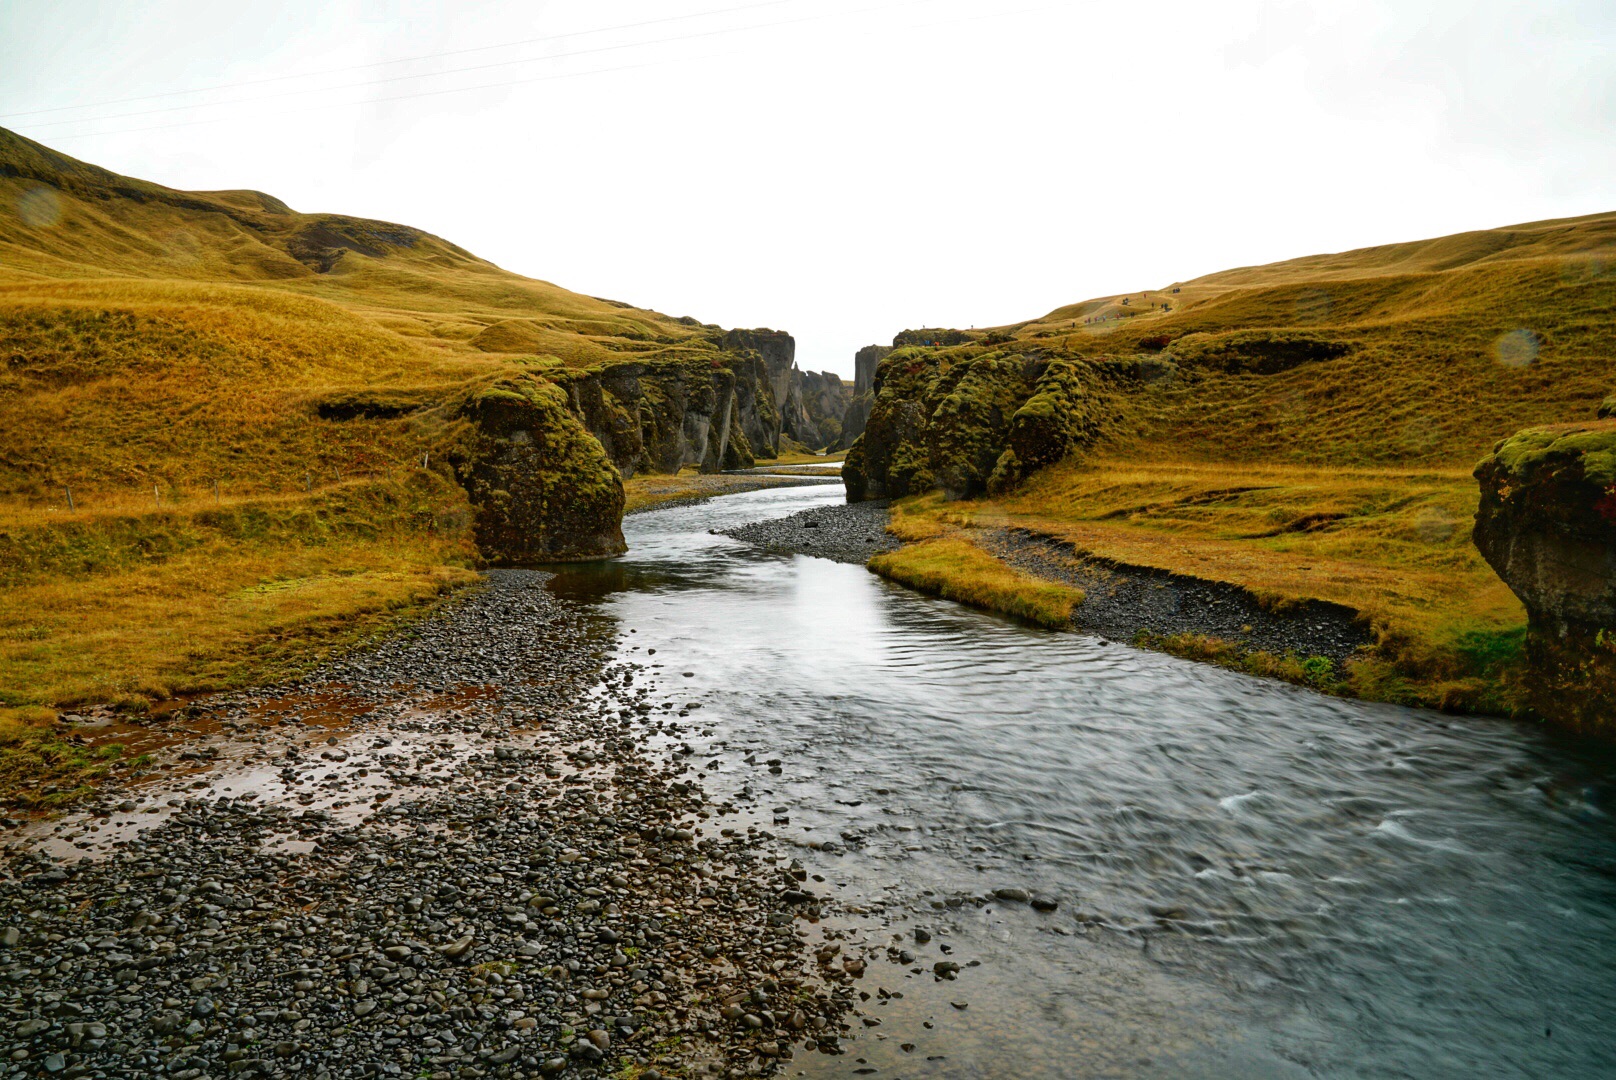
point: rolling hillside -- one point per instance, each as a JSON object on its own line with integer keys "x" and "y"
{"x": 1306, "y": 430}
{"x": 237, "y": 434}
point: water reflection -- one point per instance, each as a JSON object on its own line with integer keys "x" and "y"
{"x": 1252, "y": 880}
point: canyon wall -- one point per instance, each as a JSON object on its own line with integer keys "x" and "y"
{"x": 857, "y": 413}
{"x": 1547, "y": 525}
{"x": 970, "y": 424}
{"x": 540, "y": 486}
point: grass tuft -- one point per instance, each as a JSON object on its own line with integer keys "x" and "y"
{"x": 958, "y": 570}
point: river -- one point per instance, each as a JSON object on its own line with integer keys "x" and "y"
{"x": 1253, "y": 880}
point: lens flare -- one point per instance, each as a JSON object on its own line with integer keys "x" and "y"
{"x": 1313, "y": 306}
{"x": 1517, "y": 349}
{"x": 39, "y": 208}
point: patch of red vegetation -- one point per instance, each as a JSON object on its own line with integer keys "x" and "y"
{"x": 1607, "y": 505}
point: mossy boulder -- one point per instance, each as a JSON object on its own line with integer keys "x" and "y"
{"x": 1060, "y": 416}
{"x": 968, "y": 421}
{"x": 542, "y": 488}
{"x": 1547, "y": 525}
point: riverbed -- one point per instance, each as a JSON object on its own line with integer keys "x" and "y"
{"x": 1248, "y": 879}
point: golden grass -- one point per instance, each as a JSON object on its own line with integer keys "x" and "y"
{"x": 806, "y": 457}
{"x": 137, "y": 609}
{"x": 1393, "y": 544}
{"x": 242, "y": 427}
{"x": 956, "y": 569}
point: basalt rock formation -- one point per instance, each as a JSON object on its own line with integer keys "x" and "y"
{"x": 1547, "y": 525}
{"x": 857, "y": 413}
{"x": 824, "y": 398}
{"x": 969, "y": 424}
{"x": 541, "y": 487}
{"x": 660, "y": 416}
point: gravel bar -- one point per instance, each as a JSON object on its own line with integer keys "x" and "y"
{"x": 1120, "y": 601}
{"x": 473, "y": 851}
{"x": 850, "y": 532}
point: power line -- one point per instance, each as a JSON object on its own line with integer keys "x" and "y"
{"x": 721, "y": 32}
{"x": 399, "y": 60}
{"x": 549, "y": 78}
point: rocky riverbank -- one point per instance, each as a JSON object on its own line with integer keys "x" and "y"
{"x": 464, "y": 853}
{"x": 849, "y": 533}
{"x": 1121, "y": 601}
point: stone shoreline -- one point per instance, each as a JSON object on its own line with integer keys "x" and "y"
{"x": 849, "y": 532}
{"x": 459, "y": 854}
{"x": 1120, "y": 601}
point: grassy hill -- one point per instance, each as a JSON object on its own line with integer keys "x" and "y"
{"x": 226, "y": 425}
{"x": 1308, "y": 429}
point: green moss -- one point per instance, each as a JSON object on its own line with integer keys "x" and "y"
{"x": 1595, "y": 446}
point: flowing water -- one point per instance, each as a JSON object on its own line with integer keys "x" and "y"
{"x": 1253, "y": 880}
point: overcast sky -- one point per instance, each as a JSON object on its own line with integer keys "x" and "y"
{"x": 844, "y": 169}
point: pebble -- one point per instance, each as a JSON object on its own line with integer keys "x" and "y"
{"x": 541, "y": 894}
{"x": 850, "y": 533}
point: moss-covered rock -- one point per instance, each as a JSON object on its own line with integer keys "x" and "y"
{"x": 660, "y": 416}
{"x": 1256, "y": 352}
{"x": 969, "y": 420}
{"x": 1607, "y": 411}
{"x": 1547, "y": 524}
{"x": 542, "y": 487}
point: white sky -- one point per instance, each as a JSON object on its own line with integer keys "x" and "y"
{"x": 844, "y": 169}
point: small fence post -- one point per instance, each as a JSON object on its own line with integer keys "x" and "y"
{"x": 69, "y": 490}
{"x": 308, "y": 481}
{"x": 156, "y": 498}
{"x": 426, "y": 457}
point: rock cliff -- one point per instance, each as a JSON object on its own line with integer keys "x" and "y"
{"x": 541, "y": 487}
{"x": 1547, "y": 525}
{"x": 857, "y": 413}
{"x": 970, "y": 423}
{"x": 824, "y": 398}
{"x": 659, "y": 416}
{"x": 806, "y": 406}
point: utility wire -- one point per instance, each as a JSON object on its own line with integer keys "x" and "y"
{"x": 399, "y": 60}
{"x": 724, "y": 31}
{"x": 545, "y": 78}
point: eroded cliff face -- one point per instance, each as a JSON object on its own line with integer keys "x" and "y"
{"x": 808, "y": 405}
{"x": 857, "y": 413}
{"x": 541, "y": 487}
{"x": 824, "y": 399}
{"x": 967, "y": 424}
{"x": 663, "y": 415}
{"x": 1547, "y": 525}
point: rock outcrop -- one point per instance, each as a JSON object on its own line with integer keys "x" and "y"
{"x": 824, "y": 398}
{"x": 970, "y": 424}
{"x": 807, "y": 406}
{"x": 857, "y": 413}
{"x": 1547, "y": 525}
{"x": 541, "y": 487}
{"x": 660, "y": 416}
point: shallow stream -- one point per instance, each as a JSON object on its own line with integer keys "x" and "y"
{"x": 1253, "y": 880}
